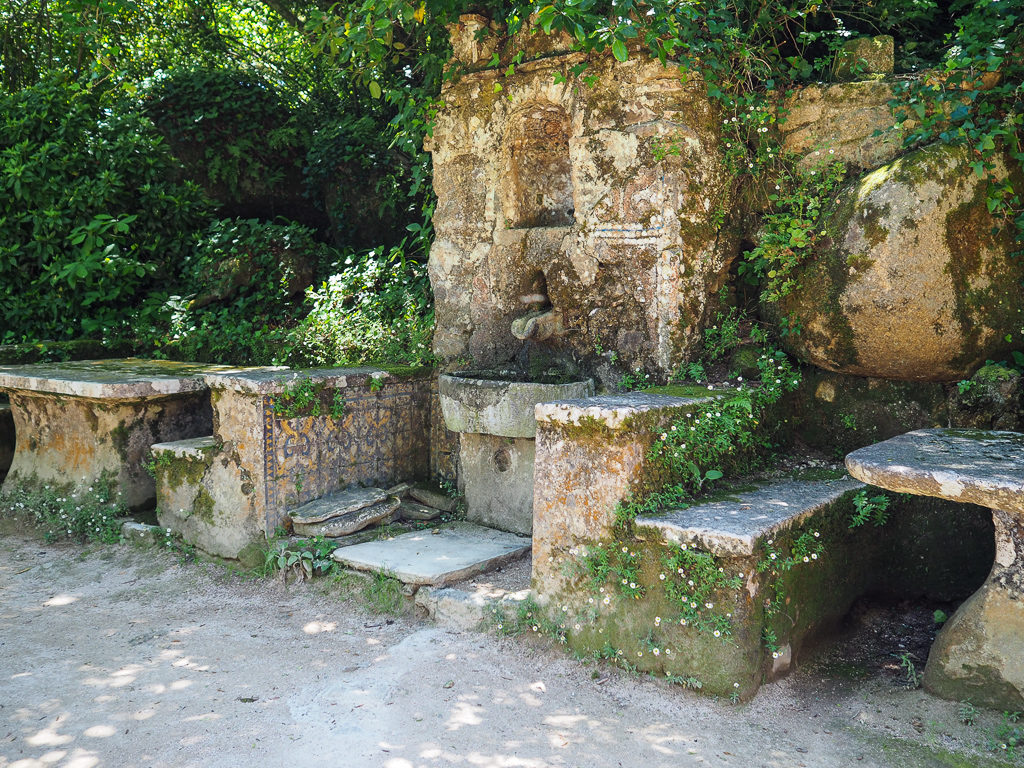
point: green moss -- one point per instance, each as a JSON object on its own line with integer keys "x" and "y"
{"x": 870, "y": 219}
{"x": 174, "y": 471}
{"x": 994, "y": 374}
{"x": 119, "y": 438}
{"x": 204, "y": 506}
{"x": 900, "y": 753}
{"x": 689, "y": 391}
{"x": 408, "y": 371}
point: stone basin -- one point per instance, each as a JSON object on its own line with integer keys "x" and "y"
{"x": 494, "y": 403}
{"x": 493, "y": 413}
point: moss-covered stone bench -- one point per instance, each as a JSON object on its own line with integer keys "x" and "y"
{"x": 727, "y": 593}
{"x": 79, "y": 422}
{"x": 979, "y": 654}
{"x": 283, "y": 439}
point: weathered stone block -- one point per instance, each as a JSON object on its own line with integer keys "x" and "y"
{"x": 544, "y": 183}
{"x": 591, "y": 455}
{"x": 497, "y": 475}
{"x": 485, "y": 404}
{"x": 824, "y": 123}
{"x": 865, "y": 56}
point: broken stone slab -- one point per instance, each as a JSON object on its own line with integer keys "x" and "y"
{"x": 440, "y": 556}
{"x": 735, "y": 527}
{"x": 401, "y": 490}
{"x": 349, "y": 522}
{"x": 337, "y": 504}
{"x": 410, "y": 510}
{"x": 433, "y": 499}
{"x": 979, "y": 653}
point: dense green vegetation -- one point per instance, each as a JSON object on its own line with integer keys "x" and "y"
{"x": 231, "y": 179}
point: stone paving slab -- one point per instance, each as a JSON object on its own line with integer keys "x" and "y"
{"x": 127, "y": 378}
{"x": 968, "y": 465}
{"x": 734, "y": 526}
{"x": 437, "y": 556}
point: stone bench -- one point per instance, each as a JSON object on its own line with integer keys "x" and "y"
{"x": 79, "y": 422}
{"x": 979, "y": 653}
{"x": 593, "y": 453}
{"x": 282, "y": 439}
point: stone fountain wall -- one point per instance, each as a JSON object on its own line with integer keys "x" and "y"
{"x": 550, "y": 188}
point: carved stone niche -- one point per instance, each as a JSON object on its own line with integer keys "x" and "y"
{"x": 539, "y": 179}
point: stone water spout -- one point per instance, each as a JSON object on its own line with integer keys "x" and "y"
{"x": 539, "y": 323}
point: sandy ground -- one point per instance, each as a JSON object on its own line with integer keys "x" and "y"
{"x": 111, "y": 656}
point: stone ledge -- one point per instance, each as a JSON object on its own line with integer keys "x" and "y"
{"x": 966, "y": 465}
{"x": 276, "y": 379}
{"x": 734, "y": 527}
{"x": 127, "y": 379}
{"x": 195, "y": 448}
{"x": 614, "y": 411}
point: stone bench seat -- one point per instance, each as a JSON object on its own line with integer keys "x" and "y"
{"x": 77, "y": 423}
{"x": 737, "y": 526}
{"x": 285, "y": 441}
{"x": 979, "y": 653}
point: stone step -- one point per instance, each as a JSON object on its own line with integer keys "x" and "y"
{"x": 734, "y": 526}
{"x": 336, "y": 505}
{"x": 193, "y": 448}
{"x": 438, "y": 556}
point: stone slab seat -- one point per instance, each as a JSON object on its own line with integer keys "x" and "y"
{"x": 78, "y": 422}
{"x": 979, "y": 653}
{"x": 739, "y": 532}
{"x": 736, "y": 527}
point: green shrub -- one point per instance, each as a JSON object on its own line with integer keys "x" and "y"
{"x": 92, "y": 217}
{"x": 234, "y": 131}
{"x": 61, "y": 512}
{"x": 375, "y": 310}
{"x": 238, "y": 292}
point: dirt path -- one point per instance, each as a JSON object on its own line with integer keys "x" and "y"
{"x": 120, "y": 657}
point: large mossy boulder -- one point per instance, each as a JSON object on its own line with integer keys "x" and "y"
{"x": 912, "y": 282}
